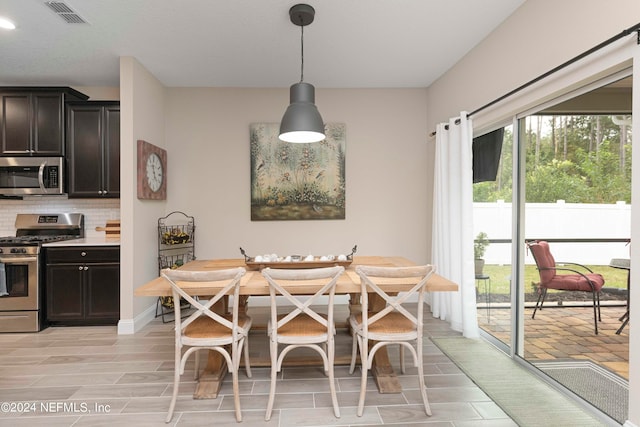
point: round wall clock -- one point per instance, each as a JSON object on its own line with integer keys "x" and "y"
{"x": 152, "y": 171}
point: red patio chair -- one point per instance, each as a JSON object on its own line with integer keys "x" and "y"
{"x": 574, "y": 281}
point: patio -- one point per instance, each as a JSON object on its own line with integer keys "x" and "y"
{"x": 561, "y": 342}
{"x": 565, "y": 333}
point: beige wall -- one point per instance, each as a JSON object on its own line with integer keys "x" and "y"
{"x": 142, "y": 117}
{"x": 387, "y": 212}
{"x": 540, "y": 35}
{"x": 206, "y": 134}
{"x": 100, "y": 93}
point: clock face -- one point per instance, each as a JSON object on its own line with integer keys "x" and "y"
{"x": 154, "y": 172}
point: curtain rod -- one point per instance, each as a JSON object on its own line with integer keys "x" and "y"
{"x": 624, "y": 33}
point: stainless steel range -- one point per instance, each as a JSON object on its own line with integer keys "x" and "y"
{"x": 21, "y": 267}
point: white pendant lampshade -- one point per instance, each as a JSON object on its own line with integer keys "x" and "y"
{"x": 302, "y": 122}
{"x": 7, "y": 24}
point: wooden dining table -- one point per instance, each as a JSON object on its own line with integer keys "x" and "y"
{"x": 254, "y": 284}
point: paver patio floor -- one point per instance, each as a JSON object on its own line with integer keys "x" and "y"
{"x": 565, "y": 333}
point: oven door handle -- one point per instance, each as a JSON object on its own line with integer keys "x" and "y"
{"x": 17, "y": 260}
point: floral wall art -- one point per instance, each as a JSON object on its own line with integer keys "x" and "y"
{"x": 297, "y": 181}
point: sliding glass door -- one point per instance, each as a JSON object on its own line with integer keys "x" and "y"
{"x": 578, "y": 200}
{"x": 563, "y": 177}
{"x": 493, "y": 212}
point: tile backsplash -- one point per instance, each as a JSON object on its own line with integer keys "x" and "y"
{"x": 96, "y": 211}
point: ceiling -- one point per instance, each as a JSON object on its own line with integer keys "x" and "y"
{"x": 244, "y": 43}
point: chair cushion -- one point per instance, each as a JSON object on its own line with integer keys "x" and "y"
{"x": 302, "y": 325}
{"x": 575, "y": 282}
{"x": 544, "y": 260}
{"x": 206, "y": 327}
{"x": 392, "y": 323}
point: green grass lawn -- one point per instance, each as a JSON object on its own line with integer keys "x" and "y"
{"x": 500, "y": 275}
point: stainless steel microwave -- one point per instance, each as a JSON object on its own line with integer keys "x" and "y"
{"x": 21, "y": 176}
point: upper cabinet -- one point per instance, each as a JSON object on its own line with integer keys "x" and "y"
{"x": 32, "y": 120}
{"x": 93, "y": 149}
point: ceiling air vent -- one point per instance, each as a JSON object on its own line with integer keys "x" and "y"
{"x": 65, "y": 12}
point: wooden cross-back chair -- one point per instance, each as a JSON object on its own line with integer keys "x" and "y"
{"x": 396, "y": 324}
{"x": 576, "y": 280}
{"x": 206, "y": 329}
{"x": 304, "y": 325}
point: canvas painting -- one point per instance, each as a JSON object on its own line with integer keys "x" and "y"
{"x": 297, "y": 181}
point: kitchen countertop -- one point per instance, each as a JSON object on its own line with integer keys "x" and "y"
{"x": 86, "y": 241}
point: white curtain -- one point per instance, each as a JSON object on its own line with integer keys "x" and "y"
{"x": 452, "y": 249}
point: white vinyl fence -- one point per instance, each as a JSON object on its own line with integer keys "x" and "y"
{"x": 558, "y": 220}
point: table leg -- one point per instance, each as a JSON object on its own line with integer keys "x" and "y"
{"x": 488, "y": 300}
{"x": 626, "y": 315}
{"x": 211, "y": 378}
{"x": 486, "y": 281}
{"x": 354, "y": 306}
{"x": 381, "y": 369}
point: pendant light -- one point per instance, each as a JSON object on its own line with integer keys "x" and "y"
{"x": 302, "y": 122}
{"x": 6, "y": 24}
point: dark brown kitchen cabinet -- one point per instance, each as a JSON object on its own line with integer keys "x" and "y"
{"x": 83, "y": 285}
{"x": 32, "y": 120}
{"x": 93, "y": 149}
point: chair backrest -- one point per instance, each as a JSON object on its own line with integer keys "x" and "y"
{"x": 544, "y": 260}
{"x": 373, "y": 278}
{"x": 227, "y": 279}
{"x": 311, "y": 284}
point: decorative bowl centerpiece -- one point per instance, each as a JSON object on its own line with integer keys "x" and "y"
{"x": 297, "y": 261}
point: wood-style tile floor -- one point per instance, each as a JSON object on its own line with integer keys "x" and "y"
{"x": 90, "y": 376}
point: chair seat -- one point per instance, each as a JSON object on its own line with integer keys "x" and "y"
{"x": 225, "y": 333}
{"x": 400, "y": 323}
{"x": 302, "y": 326}
{"x": 206, "y": 328}
{"x": 298, "y": 328}
{"x": 575, "y": 282}
{"x": 392, "y": 323}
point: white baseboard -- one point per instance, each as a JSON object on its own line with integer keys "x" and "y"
{"x": 125, "y": 327}
{"x": 130, "y": 326}
{"x": 629, "y": 424}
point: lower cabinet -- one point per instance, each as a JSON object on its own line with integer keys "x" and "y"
{"x": 83, "y": 285}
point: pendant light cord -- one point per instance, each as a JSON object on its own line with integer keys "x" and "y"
{"x": 301, "y": 53}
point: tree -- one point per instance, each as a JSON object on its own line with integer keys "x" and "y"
{"x": 593, "y": 167}
{"x": 556, "y": 180}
